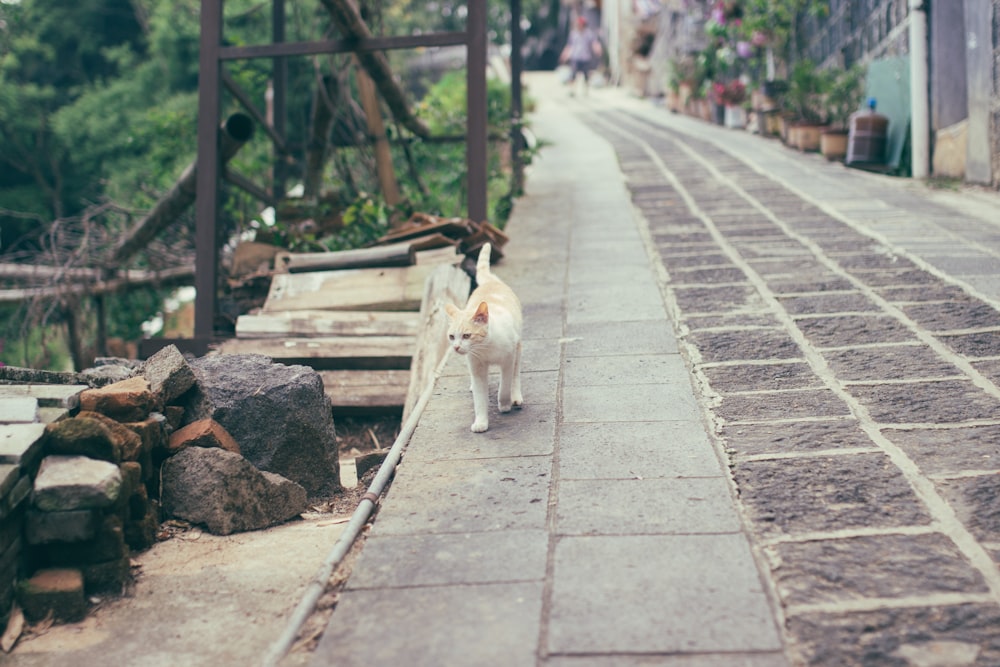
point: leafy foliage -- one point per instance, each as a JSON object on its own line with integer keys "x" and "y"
{"x": 98, "y": 111}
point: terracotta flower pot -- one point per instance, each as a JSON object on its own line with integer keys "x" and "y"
{"x": 833, "y": 144}
{"x": 807, "y": 137}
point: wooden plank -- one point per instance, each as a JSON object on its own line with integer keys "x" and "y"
{"x": 364, "y": 391}
{"x": 454, "y": 228}
{"x": 324, "y": 353}
{"x": 396, "y": 254}
{"x": 305, "y": 323}
{"x": 393, "y": 289}
{"x": 448, "y": 284}
{"x": 447, "y": 255}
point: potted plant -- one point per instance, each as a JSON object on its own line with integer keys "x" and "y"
{"x": 804, "y": 102}
{"x": 844, "y": 94}
{"x": 733, "y": 95}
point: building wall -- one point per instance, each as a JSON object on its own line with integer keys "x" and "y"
{"x": 964, "y": 55}
{"x": 995, "y": 115}
{"x": 855, "y": 31}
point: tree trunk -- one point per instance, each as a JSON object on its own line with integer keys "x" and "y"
{"x": 376, "y": 128}
{"x": 236, "y": 131}
{"x": 319, "y": 134}
{"x": 345, "y": 15}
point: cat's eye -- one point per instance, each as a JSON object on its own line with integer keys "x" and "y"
{"x": 451, "y": 336}
{"x": 466, "y": 336}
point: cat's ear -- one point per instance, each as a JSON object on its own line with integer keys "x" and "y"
{"x": 482, "y": 315}
{"x": 450, "y": 309}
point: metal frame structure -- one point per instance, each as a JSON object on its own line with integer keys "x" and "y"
{"x": 212, "y": 78}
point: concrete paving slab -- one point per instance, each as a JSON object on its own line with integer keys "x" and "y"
{"x": 610, "y": 303}
{"x": 646, "y": 402}
{"x": 645, "y": 506}
{"x": 622, "y": 369}
{"x": 460, "y": 558}
{"x": 468, "y": 496}
{"x": 629, "y": 450}
{"x": 679, "y": 593}
{"x": 640, "y": 335}
{"x": 774, "y": 659}
{"x": 444, "y": 434}
{"x": 483, "y": 625}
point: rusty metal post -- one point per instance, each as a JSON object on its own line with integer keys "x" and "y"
{"x": 207, "y": 182}
{"x": 475, "y": 150}
{"x": 516, "y": 104}
{"x": 279, "y": 76}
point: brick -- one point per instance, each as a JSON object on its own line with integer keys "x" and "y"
{"x": 130, "y": 400}
{"x": 18, "y": 410}
{"x": 141, "y": 534}
{"x": 71, "y": 526}
{"x": 21, "y": 490}
{"x": 59, "y": 591}
{"x": 203, "y": 433}
{"x": 107, "y": 545}
{"x": 83, "y": 437}
{"x": 22, "y": 444}
{"x": 107, "y": 577}
{"x": 124, "y": 438}
{"x": 9, "y": 474}
{"x": 75, "y": 483}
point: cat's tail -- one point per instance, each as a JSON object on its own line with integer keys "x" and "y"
{"x": 483, "y": 264}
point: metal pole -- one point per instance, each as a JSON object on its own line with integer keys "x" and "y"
{"x": 207, "y": 177}
{"x": 475, "y": 150}
{"x": 516, "y": 105}
{"x": 279, "y": 76}
{"x": 919, "y": 111}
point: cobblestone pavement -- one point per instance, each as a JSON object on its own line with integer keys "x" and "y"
{"x": 854, "y": 387}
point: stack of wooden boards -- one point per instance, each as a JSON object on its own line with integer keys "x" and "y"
{"x": 370, "y": 321}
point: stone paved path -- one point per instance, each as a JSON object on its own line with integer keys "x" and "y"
{"x": 852, "y": 382}
{"x": 709, "y": 314}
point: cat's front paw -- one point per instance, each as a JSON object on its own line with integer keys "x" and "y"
{"x": 480, "y": 426}
{"x": 518, "y": 401}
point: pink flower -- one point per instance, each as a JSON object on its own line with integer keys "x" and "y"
{"x": 758, "y": 38}
{"x": 744, "y": 49}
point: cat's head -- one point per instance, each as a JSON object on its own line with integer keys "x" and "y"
{"x": 467, "y": 328}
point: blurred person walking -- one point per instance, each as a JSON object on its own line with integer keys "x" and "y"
{"x": 582, "y": 52}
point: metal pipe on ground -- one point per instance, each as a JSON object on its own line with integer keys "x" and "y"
{"x": 316, "y": 587}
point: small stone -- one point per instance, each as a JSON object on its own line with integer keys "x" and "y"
{"x": 56, "y": 591}
{"x": 76, "y": 482}
{"x": 168, "y": 373}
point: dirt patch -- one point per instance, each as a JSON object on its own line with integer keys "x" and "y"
{"x": 201, "y": 599}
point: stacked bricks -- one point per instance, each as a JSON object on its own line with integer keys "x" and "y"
{"x": 95, "y": 483}
{"x": 23, "y": 411}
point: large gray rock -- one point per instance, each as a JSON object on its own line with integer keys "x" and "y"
{"x": 225, "y": 493}
{"x": 279, "y": 416}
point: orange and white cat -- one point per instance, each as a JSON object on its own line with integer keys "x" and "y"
{"x": 488, "y": 332}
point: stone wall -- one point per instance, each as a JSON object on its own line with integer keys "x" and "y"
{"x": 856, "y": 31}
